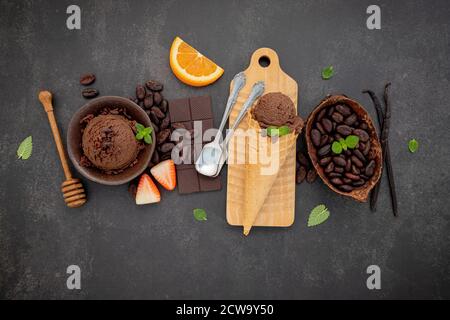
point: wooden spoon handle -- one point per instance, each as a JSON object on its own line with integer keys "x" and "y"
{"x": 46, "y": 99}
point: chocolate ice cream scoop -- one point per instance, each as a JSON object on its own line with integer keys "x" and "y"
{"x": 109, "y": 142}
{"x": 276, "y": 109}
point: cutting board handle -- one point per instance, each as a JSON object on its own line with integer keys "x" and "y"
{"x": 266, "y": 55}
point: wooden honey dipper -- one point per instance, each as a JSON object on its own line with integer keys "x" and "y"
{"x": 72, "y": 189}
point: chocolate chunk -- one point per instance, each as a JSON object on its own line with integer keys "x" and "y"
{"x": 201, "y": 108}
{"x": 188, "y": 181}
{"x": 209, "y": 184}
{"x": 179, "y": 110}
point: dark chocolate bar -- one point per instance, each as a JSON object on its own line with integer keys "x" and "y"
{"x": 184, "y": 113}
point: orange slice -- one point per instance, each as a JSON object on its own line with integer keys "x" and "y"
{"x": 191, "y": 67}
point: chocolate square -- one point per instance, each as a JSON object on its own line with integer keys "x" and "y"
{"x": 209, "y": 184}
{"x": 187, "y": 180}
{"x": 201, "y": 108}
{"x": 179, "y": 110}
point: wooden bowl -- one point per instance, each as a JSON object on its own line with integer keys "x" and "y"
{"x": 74, "y": 137}
{"x": 360, "y": 194}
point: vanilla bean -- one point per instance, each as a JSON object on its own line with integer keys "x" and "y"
{"x": 387, "y": 158}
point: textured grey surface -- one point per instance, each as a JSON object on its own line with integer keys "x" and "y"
{"x": 160, "y": 251}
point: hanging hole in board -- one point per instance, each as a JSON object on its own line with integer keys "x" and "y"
{"x": 264, "y": 61}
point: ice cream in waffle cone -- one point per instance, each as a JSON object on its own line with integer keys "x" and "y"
{"x": 275, "y": 127}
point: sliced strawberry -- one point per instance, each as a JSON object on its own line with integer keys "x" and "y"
{"x": 147, "y": 192}
{"x": 165, "y": 174}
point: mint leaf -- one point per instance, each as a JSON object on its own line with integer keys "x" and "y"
{"x": 336, "y": 147}
{"x": 318, "y": 215}
{"x": 140, "y": 135}
{"x": 139, "y": 127}
{"x": 200, "y": 215}
{"x": 351, "y": 141}
{"x": 413, "y": 145}
{"x": 327, "y": 73}
{"x": 343, "y": 144}
{"x": 278, "y": 132}
{"x": 25, "y": 148}
{"x": 148, "y": 139}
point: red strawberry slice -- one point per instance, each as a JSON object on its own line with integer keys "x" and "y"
{"x": 147, "y": 192}
{"x": 165, "y": 174}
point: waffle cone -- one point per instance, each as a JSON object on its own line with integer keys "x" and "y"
{"x": 266, "y": 156}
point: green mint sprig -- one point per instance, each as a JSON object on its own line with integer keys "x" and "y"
{"x": 278, "y": 131}
{"x": 144, "y": 133}
{"x": 343, "y": 144}
{"x": 25, "y": 148}
{"x": 200, "y": 215}
{"x": 318, "y": 215}
{"x": 328, "y": 73}
{"x": 413, "y": 145}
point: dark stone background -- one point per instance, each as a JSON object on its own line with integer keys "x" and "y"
{"x": 160, "y": 251}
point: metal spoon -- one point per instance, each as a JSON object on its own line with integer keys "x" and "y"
{"x": 208, "y": 164}
{"x": 214, "y": 154}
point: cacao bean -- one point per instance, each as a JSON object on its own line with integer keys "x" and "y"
{"x": 346, "y": 188}
{"x": 315, "y": 137}
{"x": 324, "y": 140}
{"x": 360, "y": 156}
{"x": 140, "y": 92}
{"x": 148, "y": 101}
{"x": 301, "y": 174}
{"x": 321, "y": 114}
{"x": 357, "y": 162}
{"x": 337, "y": 117}
{"x": 327, "y": 125}
{"x": 336, "y": 181}
{"x": 154, "y": 85}
{"x": 158, "y": 113}
{"x": 87, "y": 79}
{"x": 351, "y": 119}
{"x": 90, "y": 93}
{"x": 339, "y": 161}
{"x": 163, "y": 135}
{"x": 325, "y": 161}
{"x": 166, "y": 147}
{"x": 329, "y": 168}
{"x": 370, "y": 169}
{"x": 164, "y": 106}
{"x": 311, "y": 176}
{"x": 320, "y": 128}
{"x": 352, "y": 176}
{"x": 344, "y": 110}
{"x": 362, "y": 134}
{"x": 302, "y": 159}
{"x": 157, "y": 98}
{"x": 324, "y": 150}
{"x": 344, "y": 130}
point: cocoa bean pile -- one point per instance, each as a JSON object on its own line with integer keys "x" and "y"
{"x": 305, "y": 169}
{"x": 352, "y": 168}
{"x": 150, "y": 98}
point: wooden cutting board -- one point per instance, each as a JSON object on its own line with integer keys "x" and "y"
{"x": 279, "y": 207}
